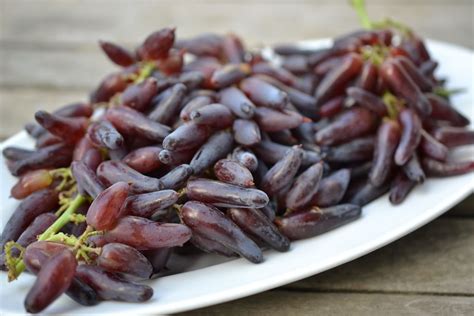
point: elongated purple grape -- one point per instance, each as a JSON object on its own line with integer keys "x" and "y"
{"x": 317, "y": 221}
{"x": 121, "y": 258}
{"x": 335, "y": 80}
{"x": 403, "y": 85}
{"x": 217, "y": 146}
{"x": 225, "y": 195}
{"x": 106, "y": 209}
{"x": 187, "y": 136}
{"x": 233, "y": 49}
{"x": 359, "y": 149}
{"x": 442, "y": 110}
{"x": 368, "y": 77}
{"x": 158, "y": 258}
{"x": 211, "y": 246}
{"x": 271, "y": 153}
{"x": 37, "y": 254}
{"x": 304, "y": 188}
{"x": 206, "y": 44}
{"x": 296, "y": 64}
{"x": 433, "y": 148}
{"x": 434, "y": 168}
{"x": 271, "y": 120}
{"x": 361, "y": 170}
{"x": 211, "y": 223}
{"x": 368, "y": 100}
{"x": 167, "y": 109}
{"x": 169, "y": 157}
{"x": 367, "y": 193}
{"x": 386, "y": 143}
{"x": 144, "y": 159}
{"x": 104, "y": 134}
{"x": 35, "y": 204}
{"x": 259, "y": 226}
{"x": 138, "y": 96}
{"x": 332, "y": 188}
{"x": 16, "y": 153}
{"x": 50, "y": 157}
{"x": 117, "y": 54}
{"x": 69, "y": 129}
{"x": 400, "y": 188}
{"x": 232, "y": 172}
{"x": 279, "y": 74}
{"x": 246, "y": 158}
{"x": 264, "y": 94}
{"x": 87, "y": 180}
{"x": 214, "y": 115}
{"x": 146, "y": 204}
{"x": 110, "y": 172}
{"x": 353, "y": 123}
{"x": 109, "y": 86}
{"x": 420, "y": 80}
{"x": 143, "y": 234}
{"x": 194, "y": 104}
{"x": 229, "y": 74}
{"x": 158, "y": 43}
{"x": 82, "y": 293}
{"x": 109, "y": 287}
{"x": 451, "y": 136}
{"x": 132, "y": 123}
{"x": 53, "y": 279}
{"x": 246, "y": 132}
{"x": 413, "y": 170}
{"x": 283, "y": 172}
{"x": 176, "y": 178}
{"x": 237, "y": 102}
{"x": 31, "y": 182}
{"x": 410, "y": 136}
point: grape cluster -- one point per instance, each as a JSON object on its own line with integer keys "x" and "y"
{"x": 225, "y": 152}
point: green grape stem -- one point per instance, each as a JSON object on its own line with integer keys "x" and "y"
{"x": 361, "y": 10}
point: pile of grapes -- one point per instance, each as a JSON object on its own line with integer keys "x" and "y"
{"x": 204, "y": 144}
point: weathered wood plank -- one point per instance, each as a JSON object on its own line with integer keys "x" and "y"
{"x": 51, "y": 21}
{"x": 437, "y": 258}
{"x": 276, "y": 303}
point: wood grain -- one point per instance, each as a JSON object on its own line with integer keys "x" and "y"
{"x": 276, "y": 303}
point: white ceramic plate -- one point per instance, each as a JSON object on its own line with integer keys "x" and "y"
{"x": 210, "y": 280}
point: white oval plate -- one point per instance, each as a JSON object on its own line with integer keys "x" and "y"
{"x": 210, "y": 280}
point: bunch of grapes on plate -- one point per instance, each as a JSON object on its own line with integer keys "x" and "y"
{"x": 203, "y": 145}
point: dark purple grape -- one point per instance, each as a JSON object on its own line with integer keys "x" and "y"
{"x": 283, "y": 172}
{"x": 16, "y": 153}
{"x": 86, "y": 179}
{"x": 332, "y": 107}
{"x": 121, "y": 258}
{"x": 317, "y": 221}
{"x": 264, "y": 94}
{"x": 296, "y": 64}
{"x": 143, "y": 234}
{"x": 144, "y": 159}
{"x": 256, "y": 224}
{"x": 232, "y": 172}
{"x": 304, "y": 188}
{"x": 271, "y": 153}
{"x": 206, "y": 44}
{"x": 276, "y": 73}
{"x": 410, "y": 136}
{"x": 332, "y": 188}
{"x": 134, "y": 124}
{"x": 351, "y": 124}
{"x": 146, "y": 204}
{"x": 415, "y": 74}
{"x": 368, "y": 100}
{"x": 451, "y": 136}
{"x": 109, "y": 287}
{"x": 217, "y": 146}
{"x": 54, "y": 156}
{"x": 172, "y": 63}
{"x": 367, "y": 192}
{"x": 187, "y": 136}
{"x": 233, "y": 49}
{"x": 35, "y": 204}
{"x": 194, "y": 104}
{"x": 38, "y": 253}
{"x": 176, "y": 178}
{"x": 212, "y": 224}
{"x": 271, "y": 120}
{"x": 434, "y": 168}
{"x": 284, "y": 137}
{"x": 82, "y": 293}
{"x": 166, "y": 110}
{"x": 110, "y": 172}
{"x": 70, "y": 130}
{"x": 103, "y": 134}
{"x": 158, "y": 258}
{"x": 386, "y": 143}
{"x": 225, "y": 195}
{"x": 413, "y": 170}
{"x": 442, "y": 110}
{"x": 368, "y": 77}
{"x": 211, "y": 246}
{"x": 433, "y": 148}
{"x": 111, "y": 85}
{"x": 106, "y": 209}
{"x": 246, "y": 158}
{"x": 359, "y": 149}
{"x": 53, "y": 279}
{"x": 246, "y": 132}
{"x": 175, "y": 158}
{"x": 117, "y": 54}
{"x": 229, "y": 74}
{"x": 158, "y": 43}
{"x": 400, "y": 188}
{"x": 237, "y": 102}
{"x": 214, "y": 115}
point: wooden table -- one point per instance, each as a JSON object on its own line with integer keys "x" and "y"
{"x": 49, "y": 56}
